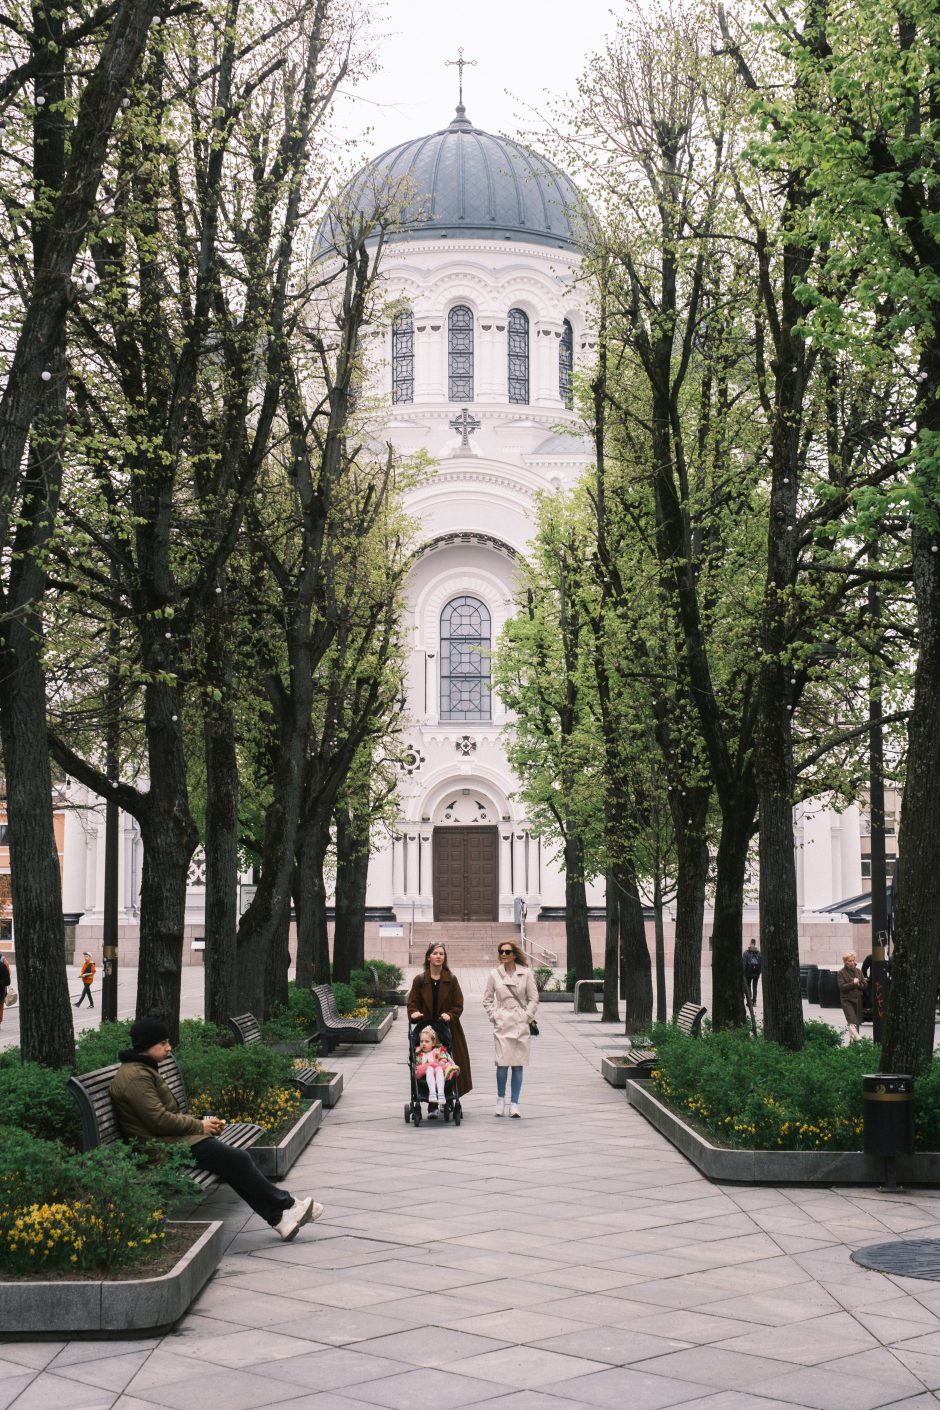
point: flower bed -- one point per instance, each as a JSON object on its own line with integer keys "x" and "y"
{"x": 750, "y": 1094}
{"x": 113, "y": 1304}
{"x": 275, "y": 1157}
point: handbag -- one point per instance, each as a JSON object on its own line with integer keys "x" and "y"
{"x": 533, "y": 1026}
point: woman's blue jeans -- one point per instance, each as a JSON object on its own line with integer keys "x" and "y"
{"x": 515, "y": 1086}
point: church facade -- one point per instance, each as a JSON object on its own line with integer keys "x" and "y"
{"x": 477, "y": 368}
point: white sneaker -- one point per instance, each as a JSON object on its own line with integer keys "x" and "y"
{"x": 514, "y": 1109}
{"x": 500, "y": 1106}
{"x": 299, "y": 1213}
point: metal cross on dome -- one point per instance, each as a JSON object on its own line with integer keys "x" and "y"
{"x": 465, "y": 424}
{"x": 460, "y": 64}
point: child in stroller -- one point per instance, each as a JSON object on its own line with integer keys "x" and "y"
{"x": 433, "y": 1071}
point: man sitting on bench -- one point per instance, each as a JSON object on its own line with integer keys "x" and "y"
{"x": 146, "y": 1109}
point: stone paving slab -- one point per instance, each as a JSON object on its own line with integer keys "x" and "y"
{"x": 570, "y": 1259}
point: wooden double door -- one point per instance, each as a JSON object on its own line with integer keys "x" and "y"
{"x": 466, "y": 873}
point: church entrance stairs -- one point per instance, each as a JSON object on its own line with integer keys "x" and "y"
{"x": 467, "y": 943}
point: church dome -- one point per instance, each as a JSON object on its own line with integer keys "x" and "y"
{"x": 462, "y": 181}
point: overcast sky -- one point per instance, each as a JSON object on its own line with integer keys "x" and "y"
{"x": 526, "y": 52}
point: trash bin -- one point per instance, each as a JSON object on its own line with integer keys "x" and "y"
{"x": 828, "y": 990}
{"x": 804, "y": 979}
{"x": 812, "y": 983}
{"x": 888, "y": 1114}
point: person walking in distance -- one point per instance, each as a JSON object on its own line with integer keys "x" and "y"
{"x": 751, "y": 963}
{"x": 852, "y": 987}
{"x": 6, "y": 979}
{"x": 86, "y": 976}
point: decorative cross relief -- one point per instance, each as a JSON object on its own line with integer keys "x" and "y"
{"x": 465, "y": 745}
{"x": 465, "y": 425}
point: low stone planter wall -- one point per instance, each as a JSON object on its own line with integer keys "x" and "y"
{"x": 275, "y": 1161}
{"x": 376, "y": 1034}
{"x": 125, "y": 1305}
{"x": 618, "y": 1071}
{"x": 327, "y": 1089}
{"x": 777, "y": 1167}
{"x": 556, "y": 996}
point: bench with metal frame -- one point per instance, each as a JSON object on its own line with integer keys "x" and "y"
{"x": 688, "y": 1021}
{"x": 247, "y": 1030}
{"x": 332, "y": 1028}
{"x": 92, "y": 1093}
{"x": 596, "y": 984}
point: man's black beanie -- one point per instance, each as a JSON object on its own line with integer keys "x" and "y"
{"x": 145, "y": 1032}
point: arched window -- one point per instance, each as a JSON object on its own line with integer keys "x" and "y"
{"x": 403, "y": 357}
{"x": 465, "y": 660}
{"x": 460, "y": 354}
{"x": 566, "y": 365}
{"x": 518, "y": 345}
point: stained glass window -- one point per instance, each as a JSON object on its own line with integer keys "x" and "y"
{"x": 460, "y": 354}
{"x": 465, "y": 660}
{"x": 566, "y": 365}
{"x": 403, "y": 357}
{"x": 518, "y": 344}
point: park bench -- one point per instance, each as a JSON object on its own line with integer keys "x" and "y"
{"x": 331, "y": 1027}
{"x": 392, "y": 997}
{"x": 246, "y": 1030}
{"x": 92, "y": 1093}
{"x": 688, "y": 1021}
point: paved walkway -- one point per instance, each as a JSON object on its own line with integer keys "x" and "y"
{"x": 570, "y": 1259}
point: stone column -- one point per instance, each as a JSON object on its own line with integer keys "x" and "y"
{"x": 505, "y": 864}
{"x": 490, "y": 366}
{"x": 424, "y": 843}
{"x": 429, "y": 365}
{"x": 519, "y": 886}
{"x": 411, "y": 865}
{"x": 398, "y": 866}
{"x": 543, "y": 363}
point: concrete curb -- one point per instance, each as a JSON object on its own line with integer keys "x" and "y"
{"x": 131, "y": 1305}
{"x": 777, "y": 1167}
{"x": 275, "y": 1161}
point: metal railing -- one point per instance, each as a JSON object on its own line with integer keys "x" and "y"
{"x": 535, "y": 952}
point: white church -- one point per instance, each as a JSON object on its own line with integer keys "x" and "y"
{"x": 477, "y": 371}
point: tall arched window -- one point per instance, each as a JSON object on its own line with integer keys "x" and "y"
{"x": 403, "y": 357}
{"x": 518, "y": 345}
{"x": 465, "y": 660}
{"x": 460, "y": 354}
{"x": 566, "y": 365}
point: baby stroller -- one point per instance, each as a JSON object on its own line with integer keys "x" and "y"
{"x": 451, "y": 1108}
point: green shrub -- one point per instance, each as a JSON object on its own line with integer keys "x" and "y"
{"x": 247, "y": 1083}
{"x": 345, "y": 997}
{"x": 94, "y": 1212}
{"x": 97, "y": 1047}
{"x": 542, "y": 976}
{"x": 297, "y": 1019}
{"x": 572, "y": 974}
{"x": 37, "y": 1099}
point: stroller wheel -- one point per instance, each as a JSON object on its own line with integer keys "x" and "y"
{"x": 407, "y": 1112}
{"x": 447, "y": 1113}
{"x": 458, "y": 1114}
{"x": 416, "y": 1114}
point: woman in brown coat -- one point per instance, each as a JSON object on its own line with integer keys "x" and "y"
{"x": 852, "y": 985}
{"x": 436, "y": 994}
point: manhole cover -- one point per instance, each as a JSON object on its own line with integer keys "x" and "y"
{"x": 912, "y": 1258}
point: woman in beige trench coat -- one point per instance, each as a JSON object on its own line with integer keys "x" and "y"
{"x": 511, "y": 1001}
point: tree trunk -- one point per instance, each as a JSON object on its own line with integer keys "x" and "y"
{"x": 637, "y": 971}
{"x": 277, "y": 963}
{"x": 660, "y": 950}
{"x": 909, "y": 1036}
{"x": 310, "y": 901}
{"x": 221, "y": 861}
{"x": 727, "y": 928}
{"x": 612, "y": 959}
{"x": 352, "y": 872}
{"x": 46, "y": 1033}
{"x": 779, "y": 935}
{"x": 578, "y": 955}
{"x": 691, "y": 879}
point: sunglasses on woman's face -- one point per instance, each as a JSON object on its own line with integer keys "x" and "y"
{"x": 505, "y": 952}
